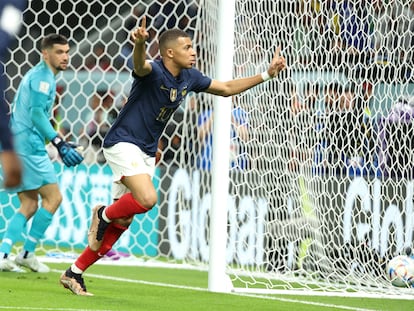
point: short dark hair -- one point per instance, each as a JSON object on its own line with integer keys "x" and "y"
{"x": 51, "y": 39}
{"x": 170, "y": 35}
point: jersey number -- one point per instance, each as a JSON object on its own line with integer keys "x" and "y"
{"x": 165, "y": 114}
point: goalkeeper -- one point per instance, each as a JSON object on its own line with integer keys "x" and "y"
{"x": 30, "y": 125}
{"x": 158, "y": 89}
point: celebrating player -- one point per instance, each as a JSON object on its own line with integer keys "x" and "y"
{"x": 158, "y": 89}
{"x": 30, "y": 124}
{"x": 10, "y": 21}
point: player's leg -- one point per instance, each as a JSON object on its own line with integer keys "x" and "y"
{"x": 133, "y": 189}
{"x": 123, "y": 208}
{"x": 72, "y": 278}
{"x": 39, "y": 174}
{"x": 141, "y": 198}
{"x": 51, "y": 199}
{"x": 16, "y": 226}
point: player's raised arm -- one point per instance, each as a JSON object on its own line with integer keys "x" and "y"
{"x": 237, "y": 86}
{"x": 139, "y": 35}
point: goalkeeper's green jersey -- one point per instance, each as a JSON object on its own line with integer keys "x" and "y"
{"x": 31, "y": 110}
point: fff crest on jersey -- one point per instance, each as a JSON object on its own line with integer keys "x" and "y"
{"x": 173, "y": 95}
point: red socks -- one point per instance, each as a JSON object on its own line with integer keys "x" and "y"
{"x": 89, "y": 257}
{"x": 126, "y": 206}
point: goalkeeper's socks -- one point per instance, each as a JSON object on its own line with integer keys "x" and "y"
{"x": 41, "y": 221}
{"x": 126, "y": 206}
{"x": 13, "y": 233}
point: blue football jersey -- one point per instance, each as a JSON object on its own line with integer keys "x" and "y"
{"x": 10, "y": 22}
{"x": 38, "y": 83}
{"x": 152, "y": 101}
{"x": 238, "y": 154}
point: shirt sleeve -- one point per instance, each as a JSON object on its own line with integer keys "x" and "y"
{"x": 41, "y": 95}
{"x": 200, "y": 81}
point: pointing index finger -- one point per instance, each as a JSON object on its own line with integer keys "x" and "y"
{"x": 144, "y": 22}
{"x": 277, "y": 53}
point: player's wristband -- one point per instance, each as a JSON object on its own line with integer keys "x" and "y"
{"x": 265, "y": 76}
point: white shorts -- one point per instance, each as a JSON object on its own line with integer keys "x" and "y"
{"x": 126, "y": 159}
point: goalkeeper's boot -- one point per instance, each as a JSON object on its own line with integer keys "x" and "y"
{"x": 74, "y": 282}
{"x": 7, "y": 265}
{"x": 97, "y": 228}
{"x": 29, "y": 260}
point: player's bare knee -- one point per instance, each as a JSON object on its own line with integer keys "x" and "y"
{"x": 28, "y": 209}
{"x": 52, "y": 203}
{"x": 149, "y": 201}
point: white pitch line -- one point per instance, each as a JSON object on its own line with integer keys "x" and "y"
{"x": 305, "y": 302}
{"x": 47, "y": 309}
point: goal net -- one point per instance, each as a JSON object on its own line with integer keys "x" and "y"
{"x": 321, "y": 158}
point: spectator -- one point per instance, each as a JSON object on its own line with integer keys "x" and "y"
{"x": 98, "y": 59}
{"x": 170, "y": 141}
{"x": 300, "y": 114}
{"x": 102, "y": 116}
{"x": 239, "y": 136}
{"x": 311, "y": 96}
{"x": 396, "y": 136}
{"x": 314, "y": 36}
{"x": 332, "y": 93}
{"x": 348, "y": 135}
{"x": 355, "y": 30}
{"x": 394, "y": 40}
{"x": 328, "y": 154}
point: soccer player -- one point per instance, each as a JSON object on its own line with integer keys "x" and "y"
{"x": 130, "y": 145}
{"x": 30, "y": 124}
{"x": 10, "y": 21}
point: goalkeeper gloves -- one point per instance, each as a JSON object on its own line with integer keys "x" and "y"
{"x": 67, "y": 152}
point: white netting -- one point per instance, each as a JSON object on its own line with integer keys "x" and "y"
{"x": 322, "y": 192}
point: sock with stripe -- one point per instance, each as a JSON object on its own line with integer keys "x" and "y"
{"x": 14, "y": 233}
{"x": 41, "y": 221}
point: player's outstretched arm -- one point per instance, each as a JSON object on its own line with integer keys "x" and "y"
{"x": 237, "y": 86}
{"x": 139, "y": 35}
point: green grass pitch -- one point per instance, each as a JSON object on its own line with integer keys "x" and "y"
{"x": 127, "y": 288}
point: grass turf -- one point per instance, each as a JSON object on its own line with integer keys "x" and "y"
{"x": 141, "y": 288}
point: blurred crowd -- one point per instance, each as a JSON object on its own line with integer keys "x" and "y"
{"x": 332, "y": 125}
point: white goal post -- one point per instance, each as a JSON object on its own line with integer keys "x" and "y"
{"x": 313, "y": 183}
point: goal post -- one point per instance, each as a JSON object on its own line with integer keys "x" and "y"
{"x": 312, "y": 189}
{"x": 218, "y": 280}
